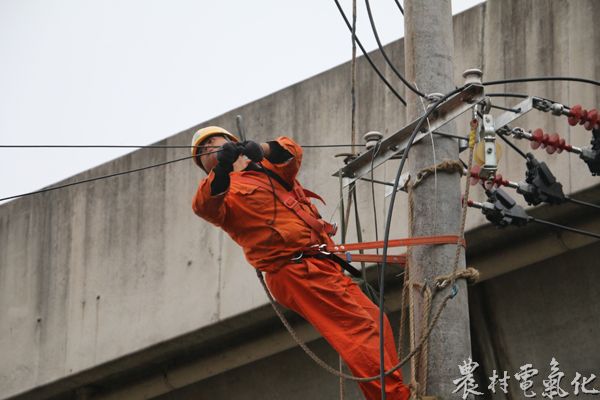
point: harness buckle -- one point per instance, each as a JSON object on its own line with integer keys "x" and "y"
{"x": 290, "y": 202}
{"x": 321, "y": 248}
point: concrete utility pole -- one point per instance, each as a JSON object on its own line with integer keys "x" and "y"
{"x": 429, "y": 51}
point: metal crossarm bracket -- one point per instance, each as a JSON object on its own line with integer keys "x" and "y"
{"x": 396, "y": 143}
{"x": 527, "y": 105}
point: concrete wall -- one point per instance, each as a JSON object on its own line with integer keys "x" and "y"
{"x": 103, "y": 283}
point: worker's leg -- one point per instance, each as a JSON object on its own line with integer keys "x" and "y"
{"x": 373, "y": 310}
{"x": 328, "y": 300}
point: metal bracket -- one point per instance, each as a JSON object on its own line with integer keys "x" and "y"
{"x": 396, "y": 143}
{"x": 402, "y": 183}
{"x": 527, "y": 105}
{"x": 488, "y": 135}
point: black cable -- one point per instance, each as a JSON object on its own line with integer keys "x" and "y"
{"x": 385, "y": 81}
{"x": 399, "y": 6}
{"x": 123, "y": 172}
{"x": 388, "y": 225}
{"x": 582, "y": 203}
{"x": 518, "y": 95}
{"x": 118, "y": 146}
{"x": 385, "y": 56}
{"x": 566, "y": 228}
{"x": 515, "y": 148}
{"x": 330, "y": 145}
{"x": 375, "y": 152}
{"x": 99, "y": 146}
{"x": 450, "y": 135}
{"x": 101, "y": 177}
{"x": 515, "y": 110}
{"x": 376, "y": 181}
{"x": 542, "y": 78}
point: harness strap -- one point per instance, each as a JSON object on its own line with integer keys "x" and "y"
{"x": 308, "y": 193}
{"x": 344, "y": 249}
{"x": 414, "y": 241}
{"x": 376, "y": 258}
{"x": 291, "y": 202}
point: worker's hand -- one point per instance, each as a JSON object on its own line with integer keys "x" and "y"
{"x": 241, "y": 163}
{"x": 228, "y": 154}
{"x": 252, "y": 150}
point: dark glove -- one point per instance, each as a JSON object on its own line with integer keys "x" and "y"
{"x": 228, "y": 153}
{"x": 252, "y": 150}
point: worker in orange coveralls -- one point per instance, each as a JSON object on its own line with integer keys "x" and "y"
{"x": 246, "y": 199}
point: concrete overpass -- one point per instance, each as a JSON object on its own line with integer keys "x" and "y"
{"x": 115, "y": 290}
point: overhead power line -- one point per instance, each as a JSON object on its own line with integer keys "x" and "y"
{"x": 98, "y": 178}
{"x": 118, "y": 146}
{"x": 565, "y": 228}
{"x": 518, "y": 95}
{"x": 399, "y": 6}
{"x": 362, "y": 49}
{"x": 542, "y": 78}
{"x": 384, "y": 54}
{"x": 123, "y": 172}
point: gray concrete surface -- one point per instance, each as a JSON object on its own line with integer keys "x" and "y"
{"x": 434, "y": 205}
{"x": 105, "y": 285}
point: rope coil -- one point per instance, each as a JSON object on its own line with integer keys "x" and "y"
{"x": 449, "y": 166}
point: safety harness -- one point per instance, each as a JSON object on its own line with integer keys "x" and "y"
{"x": 294, "y": 199}
{"x": 296, "y": 196}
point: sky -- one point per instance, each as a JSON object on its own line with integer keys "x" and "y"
{"x": 132, "y": 72}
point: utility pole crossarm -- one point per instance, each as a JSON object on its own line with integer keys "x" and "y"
{"x": 396, "y": 143}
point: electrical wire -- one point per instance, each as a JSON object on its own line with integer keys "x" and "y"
{"x": 353, "y": 77}
{"x": 512, "y": 145}
{"x": 582, "y": 203}
{"x": 123, "y": 172}
{"x": 518, "y": 95}
{"x": 450, "y": 135}
{"x": 563, "y": 227}
{"x": 376, "y": 181}
{"x": 399, "y": 6}
{"x": 385, "y": 56}
{"x": 375, "y": 152}
{"x": 101, "y": 177}
{"x": 118, "y": 146}
{"x": 514, "y": 110}
{"x": 542, "y": 78}
{"x": 385, "y": 81}
{"x": 92, "y": 146}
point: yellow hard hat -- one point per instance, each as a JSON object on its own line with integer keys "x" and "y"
{"x": 203, "y": 134}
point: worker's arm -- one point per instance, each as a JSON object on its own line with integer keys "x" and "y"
{"x": 209, "y": 201}
{"x": 208, "y": 206}
{"x": 285, "y": 157}
{"x": 283, "y": 154}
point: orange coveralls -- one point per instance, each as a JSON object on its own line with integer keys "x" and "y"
{"x": 315, "y": 288}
